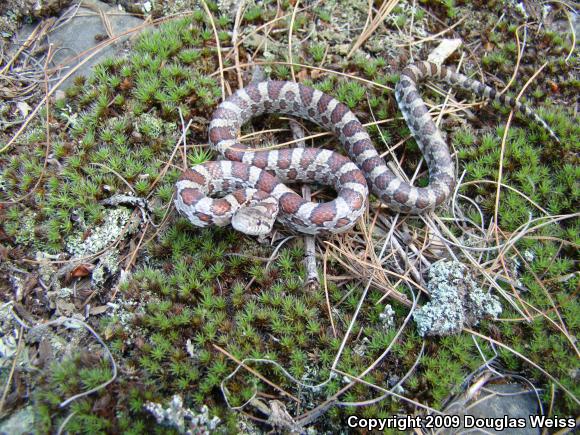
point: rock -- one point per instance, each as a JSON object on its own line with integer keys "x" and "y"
{"x": 20, "y": 422}
{"x": 495, "y": 402}
{"x": 83, "y": 32}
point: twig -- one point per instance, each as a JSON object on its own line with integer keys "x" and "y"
{"x": 12, "y": 369}
{"x": 326, "y": 295}
{"x": 63, "y": 321}
{"x": 309, "y": 246}
{"x": 255, "y": 373}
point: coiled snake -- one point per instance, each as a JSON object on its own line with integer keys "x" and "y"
{"x": 255, "y": 198}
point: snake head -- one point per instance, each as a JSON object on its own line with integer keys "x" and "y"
{"x": 256, "y": 218}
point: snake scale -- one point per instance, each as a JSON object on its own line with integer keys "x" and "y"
{"x": 253, "y": 182}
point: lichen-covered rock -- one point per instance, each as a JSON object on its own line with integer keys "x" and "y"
{"x": 101, "y": 236}
{"x": 117, "y": 223}
{"x": 228, "y": 7}
{"x": 21, "y": 421}
{"x": 456, "y": 301}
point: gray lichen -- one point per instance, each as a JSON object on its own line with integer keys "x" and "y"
{"x": 154, "y": 127}
{"x": 228, "y": 7}
{"x": 25, "y": 235}
{"x": 456, "y": 301}
{"x": 183, "y": 419}
{"x": 388, "y": 317}
{"x": 117, "y": 223}
{"x": 21, "y": 421}
{"x": 101, "y": 236}
{"x": 108, "y": 265}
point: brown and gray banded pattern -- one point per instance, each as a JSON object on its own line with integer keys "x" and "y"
{"x": 247, "y": 169}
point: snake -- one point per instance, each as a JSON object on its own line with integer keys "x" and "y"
{"x": 248, "y": 188}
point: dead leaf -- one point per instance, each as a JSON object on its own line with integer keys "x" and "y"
{"x": 102, "y": 404}
{"x": 82, "y": 270}
{"x": 7, "y": 92}
{"x": 4, "y": 252}
{"x": 29, "y": 284}
{"x": 94, "y": 311}
{"x": 316, "y": 73}
{"x": 302, "y": 75}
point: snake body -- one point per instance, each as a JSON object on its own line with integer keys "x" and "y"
{"x": 254, "y": 181}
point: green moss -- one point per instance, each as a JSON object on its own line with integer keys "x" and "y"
{"x": 206, "y": 288}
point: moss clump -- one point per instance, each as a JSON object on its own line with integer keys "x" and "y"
{"x": 63, "y": 379}
{"x": 196, "y": 299}
{"x": 117, "y": 127}
{"x": 539, "y": 169}
{"x": 543, "y": 179}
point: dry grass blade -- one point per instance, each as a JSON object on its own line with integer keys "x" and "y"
{"x": 432, "y": 37}
{"x": 106, "y": 23}
{"x": 235, "y": 49}
{"x": 358, "y": 379}
{"x": 360, "y": 268}
{"x": 309, "y": 67}
{"x": 47, "y": 130}
{"x": 38, "y": 30}
{"x": 290, "y": 57}
{"x": 567, "y": 9}
{"x": 84, "y": 58}
{"x": 219, "y": 48}
{"x": 383, "y": 12}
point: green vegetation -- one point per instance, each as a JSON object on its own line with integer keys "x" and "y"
{"x": 195, "y": 291}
